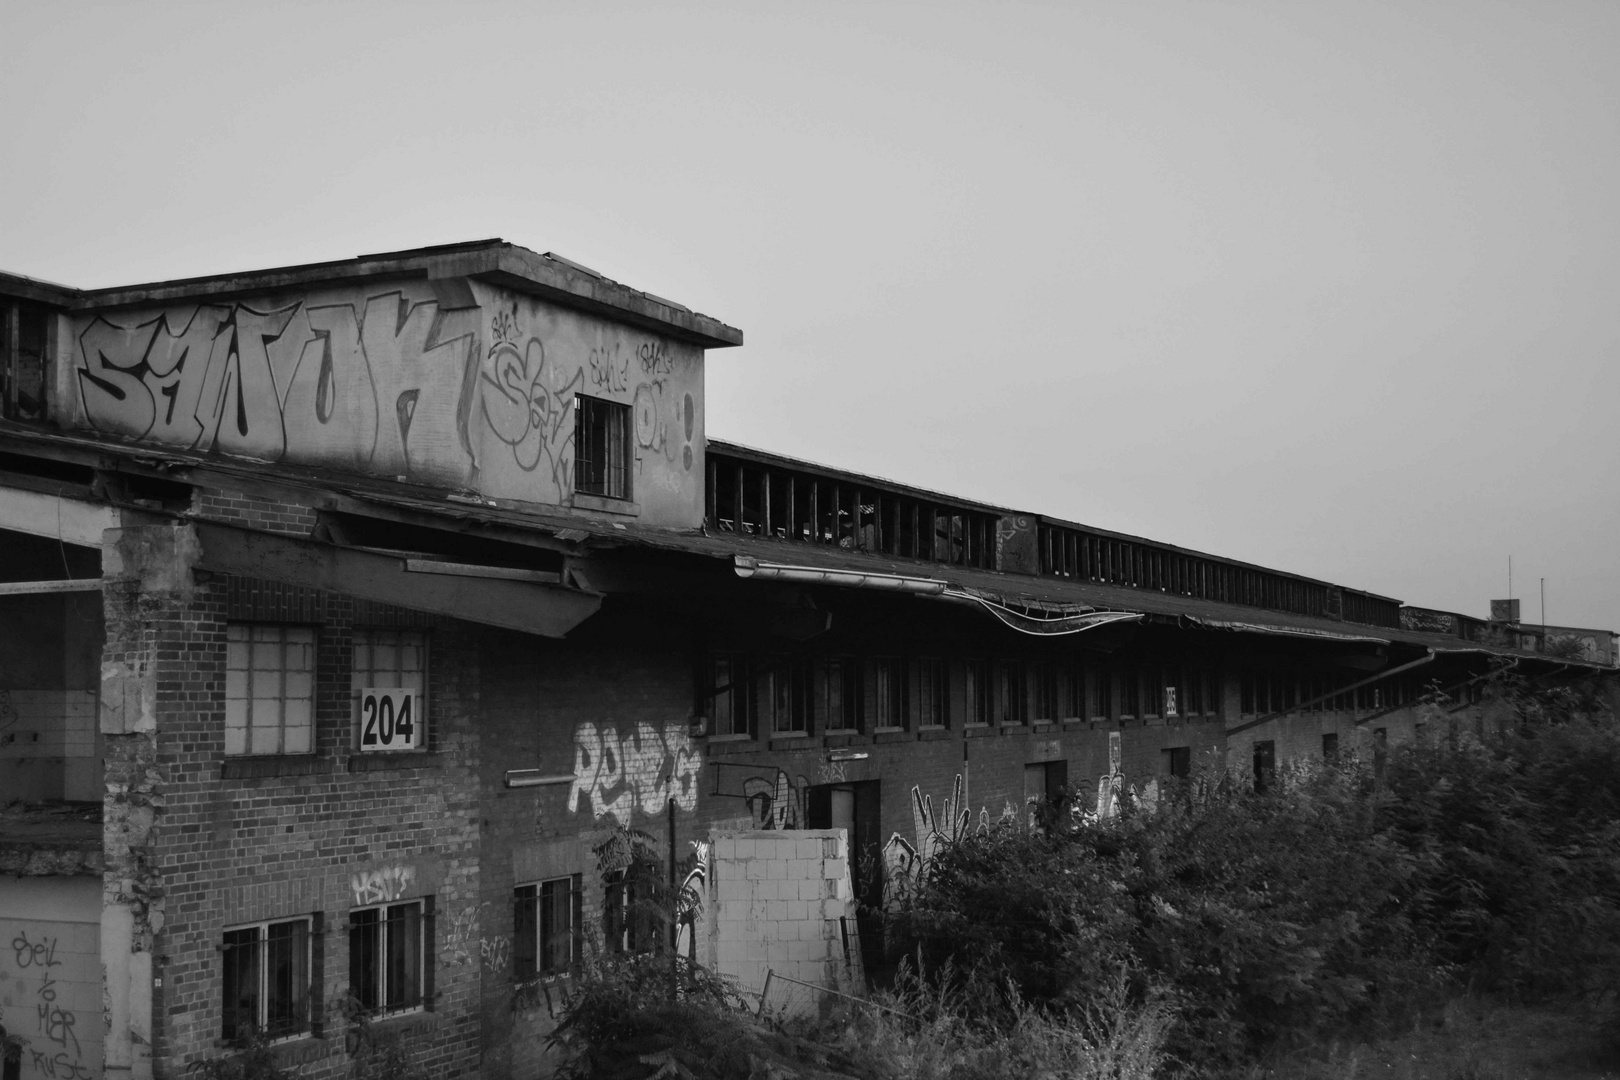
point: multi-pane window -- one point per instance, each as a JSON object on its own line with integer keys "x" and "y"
{"x": 1193, "y": 702}
{"x": 888, "y": 692}
{"x": 601, "y": 447}
{"x": 976, "y": 677}
{"x": 728, "y": 693}
{"x": 1073, "y": 679}
{"x": 267, "y": 983}
{"x": 1010, "y": 696}
{"x": 838, "y": 693}
{"x": 781, "y": 693}
{"x": 933, "y": 693}
{"x": 1046, "y": 691}
{"x": 395, "y": 660}
{"x": 269, "y": 689}
{"x": 1102, "y": 696}
{"x": 546, "y": 927}
{"x": 386, "y": 957}
{"x": 1213, "y": 691}
{"x": 1130, "y": 694}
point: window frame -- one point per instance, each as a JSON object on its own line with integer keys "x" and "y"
{"x": 932, "y": 700}
{"x": 978, "y": 683}
{"x": 308, "y": 1024}
{"x": 531, "y": 965}
{"x": 424, "y": 957}
{"x": 248, "y": 699}
{"x": 849, "y": 715}
{"x": 612, "y": 480}
{"x": 425, "y": 741}
{"x": 889, "y": 697}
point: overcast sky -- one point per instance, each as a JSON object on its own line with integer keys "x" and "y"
{"x": 1330, "y": 287}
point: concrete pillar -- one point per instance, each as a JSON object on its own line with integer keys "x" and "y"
{"x": 148, "y": 591}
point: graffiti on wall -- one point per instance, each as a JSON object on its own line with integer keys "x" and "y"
{"x": 53, "y": 1048}
{"x": 374, "y": 386}
{"x": 691, "y": 898}
{"x": 778, "y": 802}
{"x": 615, "y": 775}
{"x": 1111, "y": 785}
{"x": 931, "y": 830}
{"x": 395, "y": 383}
{"x": 382, "y": 886}
{"x": 529, "y": 407}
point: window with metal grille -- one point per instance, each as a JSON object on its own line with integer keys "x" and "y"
{"x": 269, "y": 982}
{"x": 387, "y": 974}
{"x": 601, "y": 447}
{"x": 546, "y": 927}
{"x": 269, "y": 689}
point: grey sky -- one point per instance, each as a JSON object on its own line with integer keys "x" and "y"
{"x": 1330, "y": 287}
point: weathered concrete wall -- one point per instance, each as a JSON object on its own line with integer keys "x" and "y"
{"x": 50, "y": 650}
{"x": 50, "y": 974}
{"x": 446, "y": 383}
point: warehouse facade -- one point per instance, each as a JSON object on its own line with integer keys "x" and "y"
{"x": 347, "y": 605}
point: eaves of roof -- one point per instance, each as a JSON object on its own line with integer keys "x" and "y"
{"x": 495, "y": 261}
{"x": 328, "y": 488}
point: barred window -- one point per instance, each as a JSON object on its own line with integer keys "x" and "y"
{"x": 269, "y": 689}
{"x": 386, "y": 971}
{"x": 546, "y": 927}
{"x": 601, "y": 447}
{"x": 268, "y": 983}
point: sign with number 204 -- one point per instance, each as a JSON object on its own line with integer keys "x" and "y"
{"x": 390, "y": 719}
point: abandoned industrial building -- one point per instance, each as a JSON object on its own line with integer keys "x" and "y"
{"x": 346, "y": 605}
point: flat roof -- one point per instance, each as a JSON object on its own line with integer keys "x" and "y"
{"x": 543, "y": 274}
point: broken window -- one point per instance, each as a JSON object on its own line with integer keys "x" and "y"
{"x": 546, "y": 927}
{"x": 386, "y": 970}
{"x": 601, "y": 447}
{"x": 1176, "y": 761}
{"x": 267, "y": 984}
{"x": 781, "y": 693}
{"x": 269, "y": 689}
{"x": 22, "y": 361}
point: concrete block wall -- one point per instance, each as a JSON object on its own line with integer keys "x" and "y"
{"x": 782, "y": 902}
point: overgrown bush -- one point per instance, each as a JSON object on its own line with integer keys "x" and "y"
{"x": 1332, "y": 901}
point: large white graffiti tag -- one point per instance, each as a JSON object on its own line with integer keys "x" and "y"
{"x": 645, "y": 769}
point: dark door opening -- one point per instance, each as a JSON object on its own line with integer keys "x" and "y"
{"x": 856, "y": 808}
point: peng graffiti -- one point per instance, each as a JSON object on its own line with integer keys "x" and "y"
{"x": 614, "y": 774}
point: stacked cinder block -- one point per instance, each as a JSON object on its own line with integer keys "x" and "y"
{"x": 782, "y": 902}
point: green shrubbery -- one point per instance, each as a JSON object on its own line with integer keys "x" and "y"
{"x": 1332, "y": 902}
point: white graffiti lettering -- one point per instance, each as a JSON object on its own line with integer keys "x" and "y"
{"x": 382, "y": 886}
{"x": 614, "y": 776}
